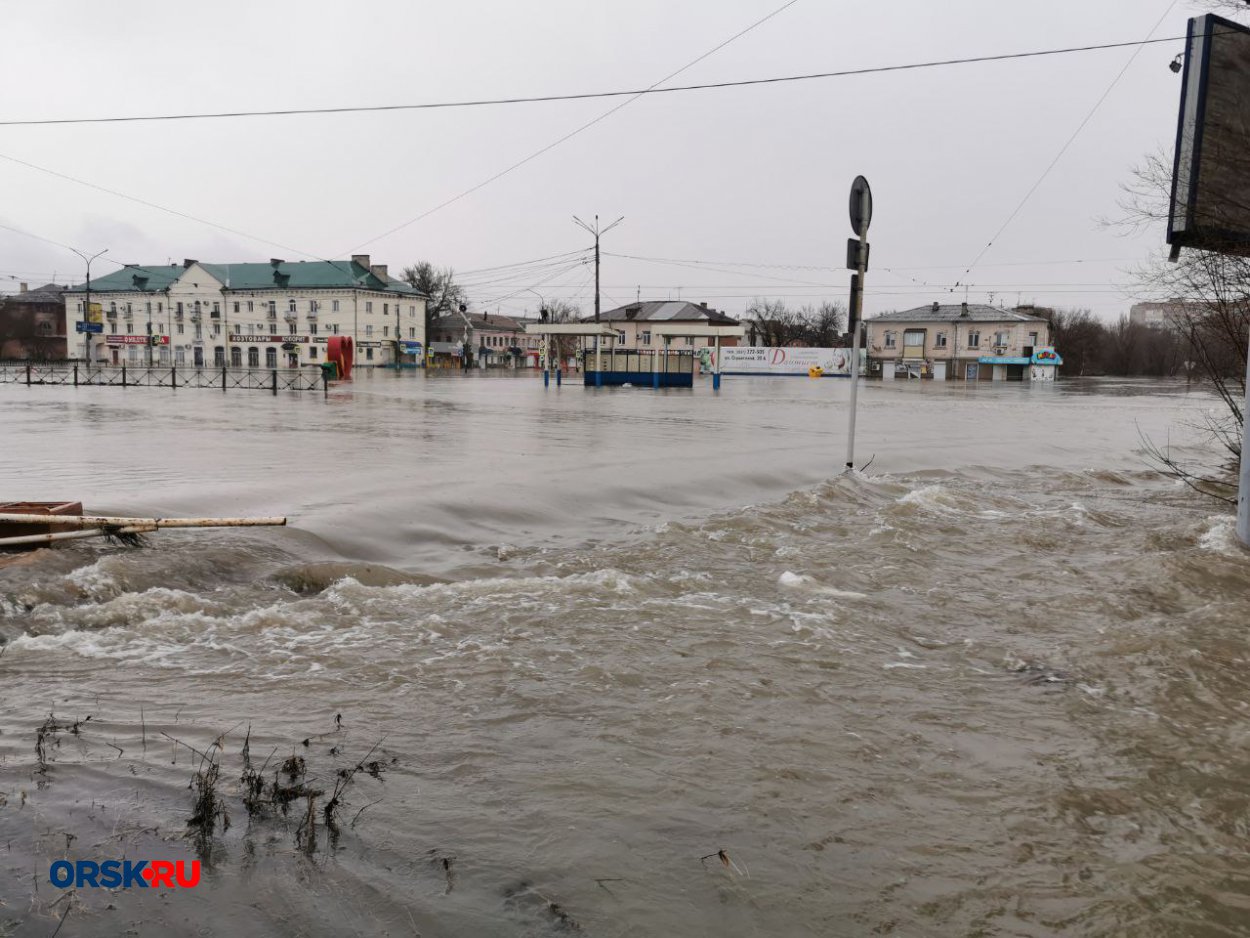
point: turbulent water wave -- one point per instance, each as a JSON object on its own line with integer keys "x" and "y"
{"x": 949, "y": 702}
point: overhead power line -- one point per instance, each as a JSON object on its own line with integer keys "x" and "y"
{"x": 577, "y": 130}
{"x": 581, "y": 96}
{"x": 1064, "y": 149}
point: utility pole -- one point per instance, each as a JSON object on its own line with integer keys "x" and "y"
{"x": 86, "y": 308}
{"x": 596, "y": 231}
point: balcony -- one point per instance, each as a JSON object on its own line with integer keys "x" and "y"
{"x": 195, "y": 317}
{"x": 214, "y": 315}
{"x": 312, "y": 315}
{"x": 111, "y": 314}
{"x": 178, "y": 316}
{"x": 290, "y": 315}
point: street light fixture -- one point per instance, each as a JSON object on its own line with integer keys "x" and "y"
{"x": 86, "y": 306}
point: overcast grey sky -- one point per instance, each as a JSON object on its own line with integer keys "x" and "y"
{"x": 736, "y": 177}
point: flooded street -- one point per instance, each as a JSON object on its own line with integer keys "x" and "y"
{"x": 995, "y": 685}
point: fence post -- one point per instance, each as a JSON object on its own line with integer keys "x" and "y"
{"x": 274, "y": 377}
{"x": 173, "y": 377}
{"x": 28, "y": 376}
{"x": 223, "y": 377}
{"x": 75, "y": 376}
{"x": 325, "y": 384}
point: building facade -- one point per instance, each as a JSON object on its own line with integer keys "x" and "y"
{"x": 32, "y": 325}
{"x": 961, "y": 342}
{"x": 1173, "y": 314}
{"x": 634, "y": 323}
{"x": 482, "y": 340}
{"x": 275, "y": 315}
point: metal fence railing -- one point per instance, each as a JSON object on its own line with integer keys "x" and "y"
{"x": 76, "y": 374}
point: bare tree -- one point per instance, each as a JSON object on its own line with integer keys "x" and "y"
{"x": 439, "y": 284}
{"x": 772, "y": 323}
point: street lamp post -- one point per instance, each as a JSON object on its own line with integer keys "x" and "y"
{"x": 542, "y": 315}
{"x": 86, "y": 306}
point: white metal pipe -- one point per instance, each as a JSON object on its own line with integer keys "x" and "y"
{"x": 95, "y": 521}
{"x": 73, "y": 535}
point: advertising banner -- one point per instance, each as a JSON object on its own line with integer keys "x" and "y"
{"x": 744, "y": 360}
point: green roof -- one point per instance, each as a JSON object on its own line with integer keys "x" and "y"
{"x": 133, "y": 277}
{"x": 301, "y": 275}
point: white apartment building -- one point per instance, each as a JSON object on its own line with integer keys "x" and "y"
{"x": 275, "y": 315}
{"x": 962, "y": 342}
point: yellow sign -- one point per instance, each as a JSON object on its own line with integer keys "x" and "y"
{"x": 95, "y": 312}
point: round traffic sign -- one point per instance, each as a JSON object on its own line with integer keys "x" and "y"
{"x": 861, "y": 206}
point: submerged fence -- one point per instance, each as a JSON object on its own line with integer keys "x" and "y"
{"x": 77, "y": 374}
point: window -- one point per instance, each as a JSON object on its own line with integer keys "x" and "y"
{"x": 334, "y": 306}
{"x": 1000, "y": 338}
{"x": 197, "y": 307}
{"x": 253, "y": 357}
{"x": 251, "y": 328}
{"x": 149, "y": 305}
{"x": 290, "y": 306}
{"x": 250, "y": 306}
{"x": 620, "y": 336}
{"x": 219, "y": 357}
{"x": 158, "y": 307}
{"x": 412, "y": 332}
{"x": 312, "y": 328}
{"x": 890, "y": 340}
{"x": 690, "y": 340}
{"x": 368, "y": 306}
{"x": 180, "y": 357}
{"x": 271, "y": 357}
{"x": 236, "y": 357}
{"x": 290, "y": 328}
{"x": 646, "y": 337}
{"x": 913, "y": 342}
{"x": 199, "y": 331}
{"x": 939, "y": 340}
{"x": 113, "y": 308}
{"x": 216, "y": 330}
{"x": 974, "y": 340}
{"x": 312, "y": 352}
{"x": 216, "y": 309}
{"x": 273, "y": 309}
{"x": 369, "y": 328}
{"x": 236, "y": 307}
{"x": 113, "y": 328}
{"x": 412, "y": 311}
{"x": 335, "y": 328}
{"x": 386, "y": 309}
{"x": 385, "y": 333}
{"x": 369, "y": 354}
{"x": 1033, "y": 338}
{"x": 180, "y": 328}
{"x": 313, "y": 306}
{"x": 128, "y": 309}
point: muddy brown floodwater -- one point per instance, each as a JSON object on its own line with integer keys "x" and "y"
{"x": 996, "y": 685}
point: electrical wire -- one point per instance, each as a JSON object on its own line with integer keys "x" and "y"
{"x": 573, "y": 133}
{"x": 1064, "y": 149}
{"x": 584, "y": 96}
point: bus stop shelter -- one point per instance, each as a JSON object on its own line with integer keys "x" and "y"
{"x": 553, "y": 330}
{"x": 671, "y": 331}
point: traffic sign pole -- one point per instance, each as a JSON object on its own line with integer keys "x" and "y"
{"x": 861, "y": 216}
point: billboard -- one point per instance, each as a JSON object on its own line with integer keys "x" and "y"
{"x": 748, "y": 360}
{"x": 1210, "y": 206}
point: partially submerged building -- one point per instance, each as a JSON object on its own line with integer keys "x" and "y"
{"x": 957, "y": 342}
{"x": 32, "y": 325}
